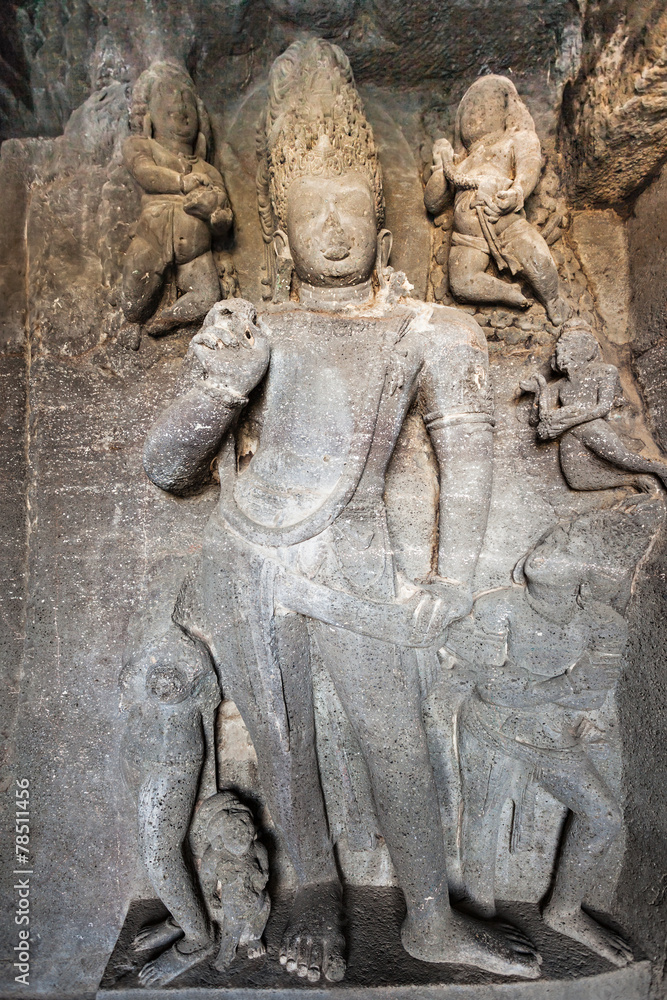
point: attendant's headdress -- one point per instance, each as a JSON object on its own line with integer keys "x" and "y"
{"x": 517, "y": 117}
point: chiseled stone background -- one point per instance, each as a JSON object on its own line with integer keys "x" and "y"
{"x": 83, "y": 530}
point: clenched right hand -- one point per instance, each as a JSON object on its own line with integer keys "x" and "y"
{"x": 231, "y": 347}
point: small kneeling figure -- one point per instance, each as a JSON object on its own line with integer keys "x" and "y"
{"x": 233, "y": 872}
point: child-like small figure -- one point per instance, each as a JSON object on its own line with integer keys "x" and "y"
{"x": 184, "y": 202}
{"x": 591, "y": 453}
{"x": 544, "y": 656}
{"x": 233, "y": 872}
{"x": 494, "y": 165}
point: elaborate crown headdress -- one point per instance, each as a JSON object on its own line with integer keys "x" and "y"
{"x": 314, "y": 125}
{"x": 170, "y": 73}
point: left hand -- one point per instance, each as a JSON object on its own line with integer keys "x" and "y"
{"x": 432, "y": 609}
{"x": 201, "y": 202}
{"x": 510, "y": 200}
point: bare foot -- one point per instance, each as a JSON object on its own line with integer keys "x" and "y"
{"x": 156, "y": 936}
{"x": 557, "y": 310}
{"x": 582, "y": 928}
{"x": 313, "y": 944}
{"x": 256, "y": 948}
{"x": 160, "y": 323}
{"x": 513, "y": 296}
{"x": 171, "y": 964}
{"x": 494, "y": 947}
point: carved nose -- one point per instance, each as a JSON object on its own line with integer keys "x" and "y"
{"x": 337, "y": 246}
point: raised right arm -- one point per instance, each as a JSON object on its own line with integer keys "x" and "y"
{"x": 233, "y": 352}
{"x": 187, "y": 436}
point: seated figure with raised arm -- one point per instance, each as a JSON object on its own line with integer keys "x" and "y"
{"x": 576, "y": 409}
{"x": 494, "y": 165}
{"x": 184, "y": 202}
{"x": 298, "y": 553}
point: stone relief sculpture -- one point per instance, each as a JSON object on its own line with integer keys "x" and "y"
{"x": 576, "y": 410}
{"x": 494, "y": 165}
{"x": 170, "y": 692}
{"x": 184, "y": 203}
{"x": 545, "y": 656}
{"x": 233, "y": 871}
{"x": 297, "y": 554}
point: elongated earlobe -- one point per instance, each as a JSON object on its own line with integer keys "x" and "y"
{"x": 384, "y": 245}
{"x": 284, "y": 266}
{"x": 281, "y": 245}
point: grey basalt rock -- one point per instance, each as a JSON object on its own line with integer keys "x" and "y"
{"x": 493, "y": 167}
{"x": 344, "y": 682}
{"x": 184, "y": 204}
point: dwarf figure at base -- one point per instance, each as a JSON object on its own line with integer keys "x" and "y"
{"x": 493, "y": 167}
{"x": 546, "y": 656}
{"x": 184, "y": 202}
{"x": 591, "y": 453}
{"x": 233, "y": 872}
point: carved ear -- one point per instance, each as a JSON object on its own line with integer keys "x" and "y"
{"x": 284, "y": 267}
{"x": 281, "y": 245}
{"x": 385, "y": 241}
{"x": 518, "y": 575}
{"x": 148, "y": 125}
{"x": 200, "y": 146}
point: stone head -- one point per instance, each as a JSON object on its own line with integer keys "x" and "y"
{"x": 225, "y": 824}
{"x": 593, "y": 556}
{"x": 166, "y": 107}
{"x": 490, "y": 105}
{"x": 576, "y": 346}
{"x": 319, "y": 181}
{"x": 164, "y": 671}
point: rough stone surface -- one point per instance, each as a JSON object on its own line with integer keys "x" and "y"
{"x": 92, "y": 550}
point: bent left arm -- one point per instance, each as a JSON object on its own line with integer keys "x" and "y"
{"x": 458, "y": 414}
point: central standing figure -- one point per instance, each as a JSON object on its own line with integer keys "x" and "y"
{"x": 298, "y": 551}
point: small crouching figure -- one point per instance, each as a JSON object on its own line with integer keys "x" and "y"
{"x": 170, "y": 693}
{"x": 184, "y": 203}
{"x": 576, "y": 409}
{"x": 494, "y": 166}
{"x": 545, "y": 656}
{"x": 233, "y": 872}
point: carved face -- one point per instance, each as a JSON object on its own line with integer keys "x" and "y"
{"x": 575, "y": 349}
{"x": 173, "y": 112}
{"x": 551, "y": 566}
{"x": 484, "y": 112}
{"x": 332, "y": 229}
{"x": 237, "y": 831}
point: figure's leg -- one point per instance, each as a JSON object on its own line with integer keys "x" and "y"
{"x": 143, "y": 276}
{"x": 382, "y": 699}
{"x": 157, "y": 935}
{"x": 604, "y": 442}
{"x": 584, "y": 470}
{"x": 484, "y": 791}
{"x": 595, "y": 823}
{"x": 200, "y": 287}
{"x": 313, "y": 944}
{"x": 469, "y": 281}
{"x": 537, "y": 264}
{"x": 166, "y": 803}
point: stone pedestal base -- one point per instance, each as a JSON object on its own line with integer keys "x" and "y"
{"x": 378, "y": 967}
